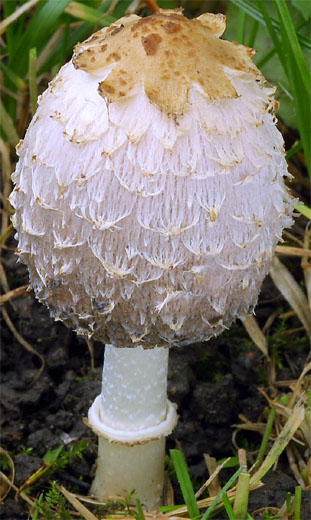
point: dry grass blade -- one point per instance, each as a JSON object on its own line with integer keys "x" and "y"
{"x": 212, "y": 477}
{"x": 306, "y": 264}
{"x": 24, "y": 343}
{"x": 14, "y": 16}
{"x": 23, "y": 495}
{"x": 298, "y": 385}
{"x": 3, "y": 279}
{"x": 242, "y": 454}
{"x": 5, "y": 487}
{"x": 13, "y": 294}
{"x": 291, "y": 291}
{"x": 256, "y": 334}
{"x": 293, "y": 251}
{"x": 6, "y": 175}
{"x": 295, "y": 420}
{"x": 48, "y": 49}
{"x": 293, "y": 466}
{"x": 250, "y": 426}
{"x": 168, "y": 491}
{"x": 6, "y": 235}
{"x": 84, "y": 511}
{"x": 90, "y": 346}
{"x": 205, "y": 502}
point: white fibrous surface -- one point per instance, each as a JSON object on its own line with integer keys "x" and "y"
{"x": 134, "y": 386}
{"x": 138, "y": 227}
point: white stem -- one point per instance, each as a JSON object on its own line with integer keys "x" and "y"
{"x": 123, "y": 468}
{"x": 132, "y": 416}
{"x": 134, "y": 387}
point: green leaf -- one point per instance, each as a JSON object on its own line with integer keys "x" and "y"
{"x": 51, "y": 456}
{"x": 185, "y": 482}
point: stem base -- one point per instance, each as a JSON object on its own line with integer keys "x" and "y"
{"x": 121, "y": 468}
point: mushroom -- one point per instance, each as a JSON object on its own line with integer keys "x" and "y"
{"x": 149, "y": 197}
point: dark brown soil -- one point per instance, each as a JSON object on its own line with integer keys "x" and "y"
{"x": 212, "y": 384}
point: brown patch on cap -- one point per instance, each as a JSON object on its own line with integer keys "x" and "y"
{"x": 142, "y": 47}
{"x": 171, "y": 27}
{"x": 105, "y": 88}
{"x": 117, "y": 29}
{"x": 151, "y": 43}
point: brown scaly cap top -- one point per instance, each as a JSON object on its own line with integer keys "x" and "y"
{"x": 165, "y": 52}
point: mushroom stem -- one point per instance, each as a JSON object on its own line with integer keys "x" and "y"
{"x": 132, "y": 417}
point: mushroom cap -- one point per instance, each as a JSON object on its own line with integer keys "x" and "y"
{"x": 166, "y": 53}
{"x": 149, "y": 214}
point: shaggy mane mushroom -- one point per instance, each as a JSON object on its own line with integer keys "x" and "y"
{"x": 149, "y": 197}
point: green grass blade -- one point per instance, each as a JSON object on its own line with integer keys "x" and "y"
{"x": 266, "y": 436}
{"x": 241, "y": 496}
{"x": 266, "y": 58}
{"x": 40, "y": 27}
{"x": 297, "y": 509}
{"x": 168, "y": 509}
{"x": 32, "y": 76}
{"x": 295, "y": 68}
{"x": 17, "y": 81}
{"x": 241, "y": 26}
{"x": 272, "y": 31}
{"x": 289, "y": 37}
{"x": 228, "y": 507}
{"x": 88, "y": 14}
{"x": 4, "y": 24}
{"x": 227, "y": 486}
{"x": 293, "y": 150}
{"x": 8, "y": 126}
{"x": 255, "y": 13}
{"x": 298, "y": 75}
{"x": 280, "y": 443}
{"x": 140, "y": 515}
{"x": 253, "y": 33}
{"x": 185, "y": 482}
{"x": 9, "y": 7}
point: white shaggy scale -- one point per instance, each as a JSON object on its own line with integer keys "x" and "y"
{"x": 161, "y": 220}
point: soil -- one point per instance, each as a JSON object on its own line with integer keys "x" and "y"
{"x": 212, "y": 384}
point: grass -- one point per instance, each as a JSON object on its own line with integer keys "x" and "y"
{"x": 37, "y": 38}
